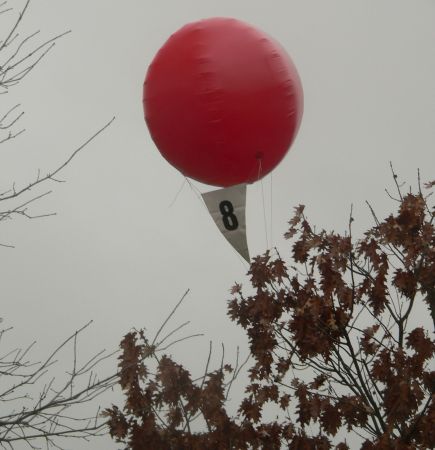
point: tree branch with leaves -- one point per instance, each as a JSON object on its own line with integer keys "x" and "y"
{"x": 333, "y": 347}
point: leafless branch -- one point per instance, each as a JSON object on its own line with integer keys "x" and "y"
{"x": 19, "y": 55}
{"x": 42, "y": 416}
{"x": 13, "y": 193}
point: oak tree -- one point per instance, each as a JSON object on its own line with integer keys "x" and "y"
{"x": 338, "y": 341}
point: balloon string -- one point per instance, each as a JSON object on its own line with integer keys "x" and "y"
{"x": 195, "y": 190}
{"x": 178, "y": 193}
{"x": 264, "y": 206}
{"x": 259, "y": 169}
{"x": 271, "y": 210}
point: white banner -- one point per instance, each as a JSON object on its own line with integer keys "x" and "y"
{"x": 227, "y": 207}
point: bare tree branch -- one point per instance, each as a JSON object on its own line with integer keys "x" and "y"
{"x": 43, "y": 416}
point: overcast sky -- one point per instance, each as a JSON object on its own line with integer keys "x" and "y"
{"x": 118, "y": 251}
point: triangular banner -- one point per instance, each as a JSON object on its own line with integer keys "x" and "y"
{"x": 227, "y": 207}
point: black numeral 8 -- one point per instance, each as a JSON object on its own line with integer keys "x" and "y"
{"x": 228, "y": 217}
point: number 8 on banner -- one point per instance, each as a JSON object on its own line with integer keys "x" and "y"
{"x": 228, "y": 218}
{"x": 227, "y": 208}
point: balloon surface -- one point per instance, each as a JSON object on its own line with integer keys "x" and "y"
{"x": 223, "y": 102}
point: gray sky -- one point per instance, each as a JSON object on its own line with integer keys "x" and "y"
{"x": 117, "y": 252}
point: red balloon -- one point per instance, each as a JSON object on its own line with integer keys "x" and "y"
{"x": 223, "y": 102}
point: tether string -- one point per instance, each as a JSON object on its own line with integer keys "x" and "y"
{"x": 264, "y": 207}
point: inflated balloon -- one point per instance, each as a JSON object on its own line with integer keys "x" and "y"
{"x": 223, "y": 102}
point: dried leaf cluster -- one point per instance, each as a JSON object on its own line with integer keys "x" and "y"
{"x": 332, "y": 345}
